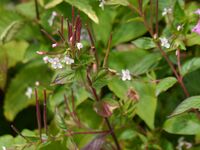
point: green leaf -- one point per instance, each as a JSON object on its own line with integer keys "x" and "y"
{"x": 53, "y": 3}
{"x": 190, "y": 66}
{"x": 119, "y": 87}
{"x": 26, "y": 9}
{"x": 186, "y": 123}
{"x": 146, "y": 64}
{"x": 103, "y": 29}
{"x": 7, "y": 18}
{"x": 15, "y": 98}
{"x": 60, "y": 122}
{"x": 3, "y": 69}
{"x": 147, "y": 102}
{"x": 188, "y": 104}
{"x": 146, "y": 107}
{"x": 14, "y": 53}
{"x": 144, "y": 43}
{"x": 179, "y": 14}
{"x": 63, "y": 76}
{"x": 87, "y": 115}
{"x": 117, "y": 2}
{"x": 61, "y": 145}
{"x": 9, "y": 33}
{"x": 7, "y": 141}
{"x": 96, "y": 143}
{"x": 192, "y": 39}
{"x": 126, "y": 59}
{"x": 85, "y": 7}
{"x": 126, "y": 31}
{"x": 165, "y": 84}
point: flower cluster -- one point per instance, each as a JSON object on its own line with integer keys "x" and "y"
{"x": 58, "y": 63}
{"x": 164, "y": 42}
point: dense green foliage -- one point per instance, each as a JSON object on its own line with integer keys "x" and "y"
{"x": 138, "y": 81}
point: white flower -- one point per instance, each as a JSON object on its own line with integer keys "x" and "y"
{"x": 46, "y": 59}
{"x": 102, "y": 3}
{"x": 54, "y": 45}
{"x": 179, "y": 27}
{"x": 183, "y": 144}
{"x": 56, "y": 66}
{"x": 126, "y": 75}
{"x": 29, "y": 92}
{"x": 166, "y": 11}
{"x": 3, "y": 148}
{"x": 55, "y": 63}
{"x": 79, "y": 45}
{"x": 164, "y": 42}
{"x": 51, "y": 19}
{"x": 37, "y": 83}
{"x": 68, "y": 60}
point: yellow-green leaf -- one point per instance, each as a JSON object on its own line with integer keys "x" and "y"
{"x": 85, "y": 7}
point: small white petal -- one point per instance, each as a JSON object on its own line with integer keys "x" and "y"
{"x": 166, "y": 11}
{"x": 29, "y": 92}
{"x": 46, "y": 59}
{"x": 54, "y": 66}
{"x": 164, "y": 42}
{"x": 54, "y": 45}
{"x": 50, "y": 60}
{"x": 37, "y": 83}
{"x": 102, "y": 3}
{"x": 59, "y": 65}
{"x": 68, "y": 60}
{"x": 79, "y": 45}
{"x": 51, "y": 19}
{"x": 54, "y": 13}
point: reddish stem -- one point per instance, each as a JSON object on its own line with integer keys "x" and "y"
{"x": 45, "y": 112}
{"x": 17, "y": 131}
{"x": 48, "y": 36}
{"x": 93, "y": 46}
{"x": 157, "y": 18}
{"x": 164, "y": 54}
{"x": 38, "y": 114}
{"x": 93, "y": 90}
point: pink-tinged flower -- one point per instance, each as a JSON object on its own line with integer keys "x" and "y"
{"x": 79, "y": 45}
{"x": 41, "y": 52}
{"x": 46, "y": 59}
{"x": 197, "y": 28}
{"x": 126, "y": 75}
{"x": 197, "y": 11}
{"x": 54, "y": 45}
